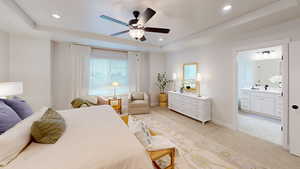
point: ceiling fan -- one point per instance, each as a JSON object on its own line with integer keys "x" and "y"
{"x": 136, "y": 26}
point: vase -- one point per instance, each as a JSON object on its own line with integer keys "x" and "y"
{"x": 163, "y": 100}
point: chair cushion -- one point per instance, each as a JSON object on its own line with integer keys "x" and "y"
{"x": 20, "y": 107}
{"x": 8, "y": 117}
{"x": 137, "y": 96}
{"x": 49, "y": 128}
{"x": 138, "y": 103}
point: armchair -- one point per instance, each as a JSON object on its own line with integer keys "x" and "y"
{"x": 138, "y": 103}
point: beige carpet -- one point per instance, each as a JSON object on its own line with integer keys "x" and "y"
{"x": 196, "y": 151}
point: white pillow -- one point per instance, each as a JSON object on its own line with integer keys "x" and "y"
{"x": 141, "y": 131}
{"x": 144, "y": 140}
{"x": 14, "y": 140}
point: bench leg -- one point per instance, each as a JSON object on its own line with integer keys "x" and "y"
{"x": 172, "y": 155}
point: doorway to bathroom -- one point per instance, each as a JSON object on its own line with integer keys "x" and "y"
{"x": 261, "y": 101}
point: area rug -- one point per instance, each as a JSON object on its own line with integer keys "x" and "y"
{"x": 196, "y": 153}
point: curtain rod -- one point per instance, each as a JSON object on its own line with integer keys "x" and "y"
{"x": 106, "y": 49}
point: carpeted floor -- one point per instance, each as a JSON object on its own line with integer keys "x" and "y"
{"x": 201, "y": 147}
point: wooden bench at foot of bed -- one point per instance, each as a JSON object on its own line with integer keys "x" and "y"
{"x": 156, "y": 155}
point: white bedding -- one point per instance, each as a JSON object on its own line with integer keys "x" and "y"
{"x": 95, "y": 138}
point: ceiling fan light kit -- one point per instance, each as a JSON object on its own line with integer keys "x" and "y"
{"x": 136, "y": 26}
{"x": 136, "y": 33}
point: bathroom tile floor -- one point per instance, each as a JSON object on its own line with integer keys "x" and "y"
{"x": 262, "y": 127}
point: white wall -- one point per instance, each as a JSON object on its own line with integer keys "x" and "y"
{"x": 216, "y": 68}
{"x": 30, "y": 63}
{"x": 4, "y": 56}
{"x": 217, "y": 65}
{"x": 157, "y": 64}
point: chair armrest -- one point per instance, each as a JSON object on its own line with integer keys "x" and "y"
{"x": 146, "y": 97}
{"x": 129, "y": 98}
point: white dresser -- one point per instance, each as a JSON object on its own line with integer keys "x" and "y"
{"x": 191, "y": 105}
{"x": 267, "y": 103}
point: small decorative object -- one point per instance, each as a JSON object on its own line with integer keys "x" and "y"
{"x": 162, "y": 83}
{"x": 115, "y": 85}
{"x": 188, "y": 87}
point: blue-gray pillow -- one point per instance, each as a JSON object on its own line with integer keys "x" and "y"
{"x": 20, "y": 107}
{"x": 8, "y": 117}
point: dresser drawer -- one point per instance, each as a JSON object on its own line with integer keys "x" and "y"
{"x": 190, "y": 105}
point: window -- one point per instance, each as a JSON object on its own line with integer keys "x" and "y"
{"x": 106, "y": 70}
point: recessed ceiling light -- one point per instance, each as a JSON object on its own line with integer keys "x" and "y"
{"x": 160, "y": 39}
{"x": 227, "y": 7}
{"x": 56, "y": 16}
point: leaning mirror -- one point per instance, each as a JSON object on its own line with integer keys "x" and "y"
{"x": 190, "y": 76}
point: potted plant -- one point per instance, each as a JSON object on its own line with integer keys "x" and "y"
{"x": 162, "y": 83}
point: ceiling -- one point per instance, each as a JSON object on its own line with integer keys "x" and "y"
{"x": 184, "y": 18}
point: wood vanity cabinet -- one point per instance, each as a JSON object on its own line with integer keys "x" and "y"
{"x": 191, "y": 105}
{"x": 267, "y": 103}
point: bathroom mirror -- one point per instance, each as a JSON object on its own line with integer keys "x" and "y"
{"x": 190, "y": 76}
{"x": 268, "y": 72}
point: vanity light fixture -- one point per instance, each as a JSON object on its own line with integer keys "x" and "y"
{"x": 227, "y": 7}
{"x": 56, "y": 16}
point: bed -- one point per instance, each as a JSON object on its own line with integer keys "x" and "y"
{"x": 95, "y": 138}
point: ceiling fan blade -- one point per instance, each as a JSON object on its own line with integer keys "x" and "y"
{"x": 146, "y": 16}
{"x": 119, "y": 33}
{"x": 113, "y": 20}
{"x": 143, "y": 38}
{"x": 157, "y": 30}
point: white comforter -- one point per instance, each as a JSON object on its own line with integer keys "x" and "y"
{"x": 95, "y": 138}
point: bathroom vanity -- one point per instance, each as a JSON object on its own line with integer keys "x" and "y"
{"x": 264, "y": 102}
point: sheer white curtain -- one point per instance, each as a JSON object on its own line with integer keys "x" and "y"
{"x": 106, "y": 67}
{"x": 138, "y": 71}
{"x": 80, "y": 74}
{"x": 133, "y": 59}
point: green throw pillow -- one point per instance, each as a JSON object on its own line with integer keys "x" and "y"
{"x": 52, "y": 114}
{"x": 49, "y": 128}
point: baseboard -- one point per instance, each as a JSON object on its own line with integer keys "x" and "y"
{"x": 227, "y": 125}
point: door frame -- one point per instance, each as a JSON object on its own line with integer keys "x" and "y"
{"x": 285, "y": 52}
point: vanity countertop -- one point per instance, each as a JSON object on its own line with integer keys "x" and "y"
{"x": 271, "y": 91}
{"x": 193, "y": 95}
